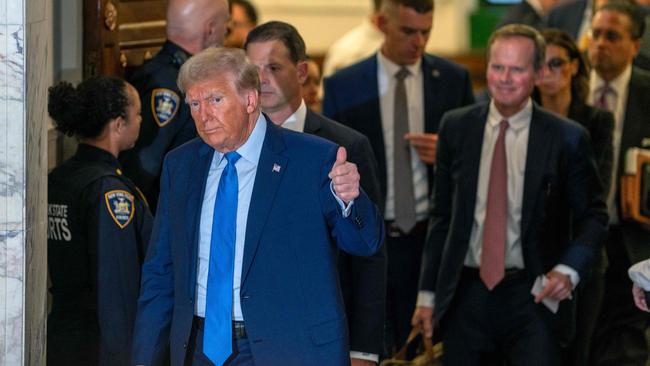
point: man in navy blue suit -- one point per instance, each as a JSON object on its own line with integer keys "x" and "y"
{"x": 296, "y": 199}
{"x": 400, "y": 117}
{"x": 518, "y": 217}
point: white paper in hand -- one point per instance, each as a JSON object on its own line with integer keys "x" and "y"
{"x": 539, "y": 284}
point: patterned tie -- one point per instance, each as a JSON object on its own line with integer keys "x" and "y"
{"x": 217, "y": 336}
{"x": 496, "y": 215}
{"x": 402, "y": 171}
{"x": 602, "y": 102}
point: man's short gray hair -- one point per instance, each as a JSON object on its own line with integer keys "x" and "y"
{"x": 216, "y": 61}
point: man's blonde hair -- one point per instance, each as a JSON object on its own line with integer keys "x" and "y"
{"x": 215, "y": 61}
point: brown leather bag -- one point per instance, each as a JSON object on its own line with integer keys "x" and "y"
{"x": 428, "y": 354}
{"x": 635, "y": 186}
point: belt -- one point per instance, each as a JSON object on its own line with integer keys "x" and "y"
{"x": 238, "y": 327}
{"x": 511, "y": 274}
{"x": 395, "y": 232}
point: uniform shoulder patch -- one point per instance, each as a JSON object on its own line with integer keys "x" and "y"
{"x": 120, "y": 206}
{"x": 164, "y": 105}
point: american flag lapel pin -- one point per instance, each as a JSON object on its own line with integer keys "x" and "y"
{"x": 276, "y": 168}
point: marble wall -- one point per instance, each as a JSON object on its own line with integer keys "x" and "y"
{"x": 25, "y": 73}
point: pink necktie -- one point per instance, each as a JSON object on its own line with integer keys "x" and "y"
{"x": 496, "y": 215}
{"x": 602, "y": 98}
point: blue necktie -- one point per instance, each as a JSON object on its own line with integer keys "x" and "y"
{"x": 217, "y": 335}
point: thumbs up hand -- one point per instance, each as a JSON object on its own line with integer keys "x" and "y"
{"x": 345, "y": 177}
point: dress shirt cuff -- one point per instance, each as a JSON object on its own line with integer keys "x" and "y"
{"x": 345, "y": 210}
{"x": 365, "y": 356}
{"x": 426, "y": 299}
{"x": 568, "y": 271}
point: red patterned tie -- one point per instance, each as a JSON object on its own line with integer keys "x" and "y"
{"x": 496, "y": 215}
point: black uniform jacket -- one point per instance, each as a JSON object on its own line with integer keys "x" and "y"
{"x": 166, "y": 119}
{"x": 98, "y": 229}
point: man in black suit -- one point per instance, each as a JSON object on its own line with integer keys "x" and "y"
{"x": 623, "y": 89}
{"x": 517, "y": 209}
{"x": 574, "y": 17}
{"x": 529, "y": 12}
{"x": 278, "y": 51}
{"x": 396, "y": 98}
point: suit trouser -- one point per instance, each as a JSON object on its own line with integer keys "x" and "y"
{"x": 194, "y": 356}
{"x": 620, "y": 335}
{"x": 481, "y": 325}
{"x": 404, "y": 258}
{"x": 589, "y": 296}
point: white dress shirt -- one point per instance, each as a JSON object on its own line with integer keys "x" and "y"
{"x": 537, "y": 6}
{"x": 355, "y": 45}
{"x": 413, "y": 83}
{"x": 296, "y": 121}
{"x": 585, "y": 26}
{"x": 516, "y": 142}
{"x": 246, "y": 171}
{"x": 617, "y": 100}
{"x": 516, "y": 152}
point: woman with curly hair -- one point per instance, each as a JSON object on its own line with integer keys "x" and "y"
{"x": 98, "y": 226}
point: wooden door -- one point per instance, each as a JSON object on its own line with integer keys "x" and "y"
{"x": 120, "y": 34}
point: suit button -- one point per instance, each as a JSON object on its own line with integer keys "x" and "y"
{"x": 359, "y": 221}
{"x": 184, "y": 345}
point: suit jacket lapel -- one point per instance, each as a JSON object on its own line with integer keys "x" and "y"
{"x": 539, "y": 143}
{"x": 632, "y": 131}
{"x": 471, "y": 150}
{"x": 430, "y": 76}
{"x": 270, "y": 170}
{"x": 199, "y": 169}
{"x": 371, "y": 86}
{"x": 312, "y": 124}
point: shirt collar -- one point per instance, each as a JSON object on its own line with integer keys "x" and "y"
{"x": 87, "y": 152}
{"x": 252, "y": 148}
{"x": 536, "y": 6}
{"x": 517, "y": 121}
{"x": 618, "y": 84}
{"x": 296, "y": 121}
{"x": 390, "y": 68}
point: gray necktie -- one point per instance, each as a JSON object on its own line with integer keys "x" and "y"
{"x": 403, "y": 173}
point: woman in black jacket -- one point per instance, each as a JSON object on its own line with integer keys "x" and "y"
{"x": 98, "y": 226}
{"x": 563, "y": 90}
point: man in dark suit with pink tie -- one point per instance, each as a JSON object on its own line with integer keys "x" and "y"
{"x": 518, "y": 216}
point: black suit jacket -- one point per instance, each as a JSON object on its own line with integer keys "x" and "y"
{"x": 352, "y": 98}
{"x": 600, "y": 125}
{"x": 363, "y": 279}
{"x": 636, "y": 129}
{"x": 567, "y": 17}
{"x": 564, "y": 216}
{"x": 522, "y": 13}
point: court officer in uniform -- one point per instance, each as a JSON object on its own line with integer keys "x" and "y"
{"x": 192, "y": 25}
{"x": 98, "y": 226}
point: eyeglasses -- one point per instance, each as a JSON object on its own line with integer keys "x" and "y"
{"x": 608, "y": 35}
{"x": 556, "y": 63}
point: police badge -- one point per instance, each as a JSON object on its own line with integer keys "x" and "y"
{"x": 120, "y": 206}
{"x": 164, "y": 105}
